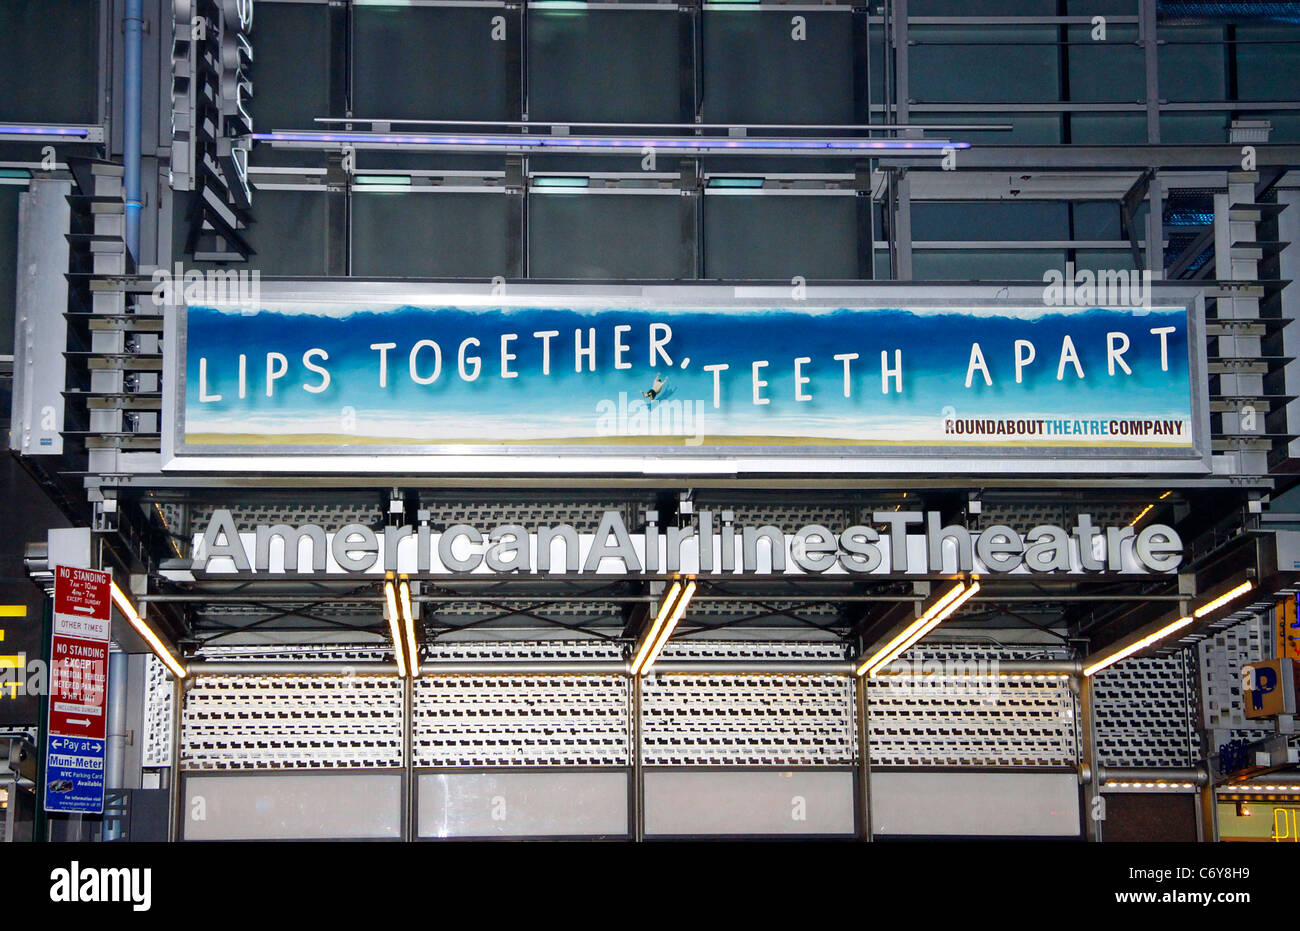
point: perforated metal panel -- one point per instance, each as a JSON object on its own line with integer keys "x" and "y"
{"x": 328, "y": 515}
{"x": 485, "y": 721}
{"x": 583, "y": 516}
{"x": 534, "y": 651}
{"x": 1144, "y": 711}
{"x": 947, "y": 720}
{"x": 158, "y": 698}
{"x": 785, "y": 515}
{"x": 1222, "y": 657}
{"x": 1026, "y": 515}
{"x": 330, "y": 653}
{"x": 822, "y": 613}
{"x": 292, "y": 722}
{"x": 569, "y": 612}
{"x": 825, "y": 651}
{"x": 747, "y": 721}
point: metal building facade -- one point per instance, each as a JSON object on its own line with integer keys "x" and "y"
{"x": 899, "y": 154}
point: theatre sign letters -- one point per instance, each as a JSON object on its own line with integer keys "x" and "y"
{"x": 713, "y": 544}
{"x": 585, "y": 379}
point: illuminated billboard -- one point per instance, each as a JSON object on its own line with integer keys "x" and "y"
{"x": 626, "y": 378}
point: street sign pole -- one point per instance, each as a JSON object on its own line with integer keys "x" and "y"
{"x": 40, "y": 822}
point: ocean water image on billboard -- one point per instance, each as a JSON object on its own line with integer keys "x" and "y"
{"x": 340, "y": 375}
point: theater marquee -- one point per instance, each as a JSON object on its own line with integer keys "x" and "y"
{"x": 373, "y": 377}
{"x": 713, "y": 544}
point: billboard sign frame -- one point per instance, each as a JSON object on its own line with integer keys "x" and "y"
{"x": 675, "y": 457}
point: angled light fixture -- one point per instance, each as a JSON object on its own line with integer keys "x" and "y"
{"x": 931, "y": 618}
{"x": 1110, "y": 659}
{"x": 408, "y": 626}
{"x": 1143, "y": 513}
{"x": 1138, "y": 641}
{"x": 656, "y": 636}
{"x": 1230, "y": 595}
{"x": 146, "y": 633}
{"x": 394, "y": 626}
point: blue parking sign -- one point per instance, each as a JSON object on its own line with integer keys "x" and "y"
{"x": 74, "y": 775}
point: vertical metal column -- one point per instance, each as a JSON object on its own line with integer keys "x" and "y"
{"x": 408, "y": 760}
{"x": 1208, "y": 803}
{"x": 516, "y": 166}
{"x": 41, "y": 820}
{"x": 177, "y": 807}
{"x": 864, "y": 759}
{"x": 1151, "y": 63}
{"x": 898, "y": 41}
{"x": 1092, "y": 829}
{"x": 338, "y": 195}
{"x": 638, "y": 776}
{"x": 115, "y": 746}
{"x": 1155, "y": 232}
{"x": 900, "y": 225}
{"x": 864, "y": 206}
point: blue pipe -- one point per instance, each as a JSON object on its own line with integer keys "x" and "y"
{"x": 134, "y": 22}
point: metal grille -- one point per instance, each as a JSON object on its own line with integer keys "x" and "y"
{"x": 784, "y": 515}
{"x": 823, "y": 613}
{"x": 1143, "y": 711}
{"x": 583, "y": 516}
{"x": 158, "y": 697}
{"x": 942, "y": 719}
{"x": 292, "y": 722}
{"x": 757, "y": 720}
{"x": 1222, "y": 657}
{"x": 486, "y": 721}
{"x": 577, "y": 611}
{"x": 329, "y": 515}
{"x": 560, "y": 651}
{"x": 277, "y": 653}
{"x": 1025, "y": 516}
{"x": 741, "y": 650}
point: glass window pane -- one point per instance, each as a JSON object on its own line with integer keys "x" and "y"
{"x": 1268, "y": 63}
{"x": 1106, "y": 70}
{"x": 967, "y": 66}
{"x": 984, "y": 265}
{"x": 8, "y": 263}
{"x": 1108, "y": 128}
{"x": 429, "y": 235}
{"x": 756, "y": 72}
{"x": 291, "y": 63}
{"x": 779, "y": 237}
{"x": 605, "y": 236}
{"x": 430, "y": 63}
{"x": 989, "y": 220}
{"x": 605, "y": 65}
{"x": 50, "y": 69}
{"x": 1193, "y": 64}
